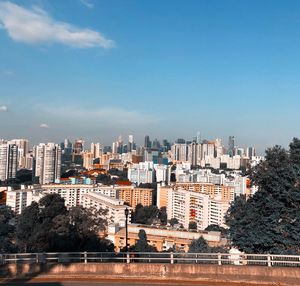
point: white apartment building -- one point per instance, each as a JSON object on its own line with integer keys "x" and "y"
{"x": 73, "y": 194}
{"x": 216, "y": 211}
{"x": 96, "y": 150}
{"x": 187, "y": 207}
{"x": 141, "y": 173}
{"x": 231, "y": 162}
{"x": 18, "y": 200}
{"x": 163, "y": 173}
{"x": 190, "y": 206}
{"x": 47, "y": 162}
{"x": 115, "y": 207}
{"x": 23, "y": 148}
{"x": 8, "y": 160}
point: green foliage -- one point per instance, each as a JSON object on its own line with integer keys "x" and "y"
{"x": 142, "y": 244}
{"x": 199, "y": 246}
{"x": 25, "y": 227}
{"x": 269, "y": 222}
{"x": 6, "y": 230}
{"x": 193, "y": 225}
{"x": 146, "y": 215}
{"x": 162, "y": 215}
{"x": 49, "y": 226}
{"x": 173, "y": 221}
{"x": 215, "y": 227}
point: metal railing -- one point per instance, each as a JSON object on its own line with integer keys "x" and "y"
{"x": 269, "y": 260}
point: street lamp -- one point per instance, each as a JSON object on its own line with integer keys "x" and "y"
{"x": 126, "y": 229}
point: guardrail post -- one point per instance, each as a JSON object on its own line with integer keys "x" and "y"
{"x": 37, "y": 258}
{"x": 219, "y": 259}
{"x": 128, "y": 257}
{"x": 2, "y": 259}
{"x": 269, "y": 261}
{"x": 172, "y": 257}
{"x": 85, "y": 257}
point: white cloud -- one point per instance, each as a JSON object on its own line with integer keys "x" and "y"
{"x": 110, "y": 116}
{"x": 7, "y": 73}
{"x": 44, "y": 125}
{"x": 33, "y": 26}
{"x": 87, "y": 3}
{"x": 3, "y": 108}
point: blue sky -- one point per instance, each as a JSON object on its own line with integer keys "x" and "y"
{"x": 97, "y": 69}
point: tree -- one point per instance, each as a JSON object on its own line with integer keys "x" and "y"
{"x": 142, "y": 244}
{"x": 269, "y": 222}
{"x": 146, "y": 215}
{"x": 6, "y": 230}
{"x": 193, "y": 225}
{"x": 25, "y": 227}
{"x": 162, "y": 215}
{"x": 215, "y": 227}
{"x": 49, "y": 226}
{"x": 199, "y": 246}
{"x": 86, "y": 224}
{"x": 173, "y": 221}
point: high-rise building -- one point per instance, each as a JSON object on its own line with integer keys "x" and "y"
{"x": 198, "y": 137}
{"x": 47, "y": 165}
{"x": 180, "y": 152}
{"x": 130, "y": 143}
{"x": 251, "y": 152}
{"x": 231, "y": 146}
{"x": 8, "y": 161}
{"x": 78, "y": 146}
{"x": 23, "y": 146}
{"x": 147, "y": 143}
{"x": 96, "y": 150}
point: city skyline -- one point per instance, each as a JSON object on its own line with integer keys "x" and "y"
{"x": 167, "y": 70}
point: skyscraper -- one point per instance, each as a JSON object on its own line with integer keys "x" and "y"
{"x": 8, "y": 161}
{"x": 78, "y": 146}
{"x": 130, "y": 143}
{"x": 47, "y": 162}
{"x": 147, "y": 143}
{"x": 231, "y": 146}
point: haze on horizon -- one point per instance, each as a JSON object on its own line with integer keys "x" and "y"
{"x": 97, "y": 69}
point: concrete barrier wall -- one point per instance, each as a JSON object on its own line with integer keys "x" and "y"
{"x": 156, "y": 272}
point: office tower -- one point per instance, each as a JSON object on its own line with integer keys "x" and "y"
{"x": 166, "y": 145}
{"x": 231, "y": 146}
{"x": 47, "y": 162}
{"x": 67, "y": 150}
{"x": 130, "y": 143}
{"x": 78, "y": 146}
{"x": 8, "y": 161}
{"x": 251, "y": 152}
{"x": 180, "y": 141}
{"x": 147, "y": 143}
{"x": 155, "y": 144}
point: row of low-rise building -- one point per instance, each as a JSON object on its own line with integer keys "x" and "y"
{"x": 162, "y": 238}
{"x": 74, "y": 194}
